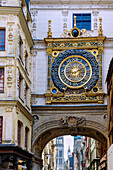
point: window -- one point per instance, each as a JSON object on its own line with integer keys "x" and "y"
{"x": 1, "y": 80}
{"x": 60, "y": 153}
{"x": 57, "y": 141}
{"x": 26, "y": 62}
{"x": 26, "y": 137}
{"x": 83, "y": 21}
{"x": 60, "y": 141}
{"x": 27, "y": 95}
{"x": 27, "y": 1}
{"x": 1, "y": 126}
{"x": 2, "y": 39}
{"x": 21, "y": 49}
{"x": 20, "y": 87}
{"x": 19, "y": 133}
{"x": 60, "y": 161}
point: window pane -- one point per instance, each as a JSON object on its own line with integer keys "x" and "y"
{"x": 60, "y": 141}
{"x": 2, "y": 39}
{"x": 60, "y": 161}
{"x": 86, "y": 17}
{"x": 78, "y": 17}
{"x": 60, "y": 153}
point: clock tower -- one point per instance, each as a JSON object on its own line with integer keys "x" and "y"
{"x": 75, "y": 67}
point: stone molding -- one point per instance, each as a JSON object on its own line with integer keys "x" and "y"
{"x": 71, "y": 2}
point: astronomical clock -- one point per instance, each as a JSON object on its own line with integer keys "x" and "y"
{"x": 74, "y": 67}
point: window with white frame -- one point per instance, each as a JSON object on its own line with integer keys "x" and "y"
{"x": 83, "y": 21}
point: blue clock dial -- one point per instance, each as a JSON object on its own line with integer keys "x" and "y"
{"x": 75, "y": 71}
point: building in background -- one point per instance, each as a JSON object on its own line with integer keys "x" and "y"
{"x": 79, "y": 152}
{"x": 110, "y": 114}
{"x": 15, "y": 85}
{"x": 60, "y": 153}
{"x": 70, "y": 160}
{"x": 94, "y": 154}
{"x": 49, "y": 156}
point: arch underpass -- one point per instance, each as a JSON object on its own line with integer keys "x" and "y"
{"x": 53, "y": 121}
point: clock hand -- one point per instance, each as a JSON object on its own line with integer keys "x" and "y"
{"x": 78, "y": 70}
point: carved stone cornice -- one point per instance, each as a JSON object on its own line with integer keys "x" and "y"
{"x": 18, "y": 12}
{"x": 71, "y": 1}
{"x": 9, "y": 104}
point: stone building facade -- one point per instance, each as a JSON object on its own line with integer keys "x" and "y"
{"x": 110, "y": 114}
{"x": 15, "y": 85}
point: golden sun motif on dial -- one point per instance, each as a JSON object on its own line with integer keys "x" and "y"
{"x": 75, "y": 71}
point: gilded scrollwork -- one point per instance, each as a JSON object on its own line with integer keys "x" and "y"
{"x": 64, "y": 82}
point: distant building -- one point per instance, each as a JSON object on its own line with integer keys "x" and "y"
{"x": 95, "y": 155}
{"x": 79, "y": 152}
{"x": 60, "y": 153}
{"x": 49, "y": 156}
{"x": 110, "y": 115}
{"x": 87, "y": 139}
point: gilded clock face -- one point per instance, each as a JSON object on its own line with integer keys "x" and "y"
{"x": 75, "y": 71}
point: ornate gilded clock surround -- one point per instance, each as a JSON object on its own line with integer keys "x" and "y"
{"x": 79, "y": 84}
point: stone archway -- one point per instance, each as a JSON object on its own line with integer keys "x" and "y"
{"x": 90, "y": 120}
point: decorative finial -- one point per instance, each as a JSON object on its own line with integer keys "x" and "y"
{"x": 75, "y": 21}
{"x": 49, "y": 32}
{"x": 100, "y": 27}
